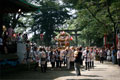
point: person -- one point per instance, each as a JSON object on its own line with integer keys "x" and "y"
{"x": 90, "y": 53}
{"x": 108, "y": 54}
{"x": 21, "y": 48}
{"x": 57, "y": 58}
{"x": 68, "y": 56}
{"x": 44, "y": 49}
{"x": 43, "y": 60}
{"x": 86, "y": 54}
{"x": 36, "y": 57}
{"x": 28, "y": 48}
{"x": 101, "y": 55}
{"x": 27, "y": 54}
{"x": 64, "y": 58}
{"x": 25, "y": 37}
{"x": 5, "y": 41}
{"x": 77, "y": 61}
{"x": 92, "y": 58}
{"x": 48, "y": 54}
{"x": 118, "y": 56}
{"x": 10, "y": 32}
{"x": 52, "y": 59}
{"x": 62, "y": 54}
{"x": 72, "y": 57}
{"x": 114, "y": 55}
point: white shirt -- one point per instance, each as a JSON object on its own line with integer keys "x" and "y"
{"x": 92, "y": 56}
{"x": 86, "y": 55}
{"x": 118, "y": 54}
{"x": 42, "y": 57}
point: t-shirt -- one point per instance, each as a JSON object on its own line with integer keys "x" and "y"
{"x": 86, "y": 54}
{"x": 43, "y": 54}
{"x": 78, "y": 56}
{"x": 43, "y": 57}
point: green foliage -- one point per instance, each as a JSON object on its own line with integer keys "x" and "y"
{"x": 96, "y": 18}
{"x": 19, "y": 22}
{"x": 51, "y": 16}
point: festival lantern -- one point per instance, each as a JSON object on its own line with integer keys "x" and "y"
{"x": 71, "y": 38}
{"x": 14, "y": 35}
{"x": 41, "y": 36}
{"x": 4, "y": 28}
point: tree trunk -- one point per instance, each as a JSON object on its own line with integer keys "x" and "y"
{"x": 15, "y": 20}
{"x": 114, "y": 24}
{"x": 76, "y": 38}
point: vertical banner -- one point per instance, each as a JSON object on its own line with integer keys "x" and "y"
{"x": 105, "y": 40}
{"x": 41, "y": 36}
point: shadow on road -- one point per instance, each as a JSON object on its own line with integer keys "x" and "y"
{"x": 84, "y": 79}
{"x": 91, "y": 75}
{"x": 21, "y": 72}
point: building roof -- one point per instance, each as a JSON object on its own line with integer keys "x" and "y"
{"x": 12, "y": 6}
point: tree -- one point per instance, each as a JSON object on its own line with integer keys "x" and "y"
{"x": 16, "y": 20}
{"x": 104, "y": 12}
{"x": 50, "y": 16}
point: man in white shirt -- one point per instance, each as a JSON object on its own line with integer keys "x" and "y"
{"x": 92, "y": 57}
{"x": 68, "y": 56}
{"x": 86, "y": 54}
{"x": 43, "y": 59}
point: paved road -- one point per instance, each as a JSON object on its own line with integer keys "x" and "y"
{"x": 106, "y": 71}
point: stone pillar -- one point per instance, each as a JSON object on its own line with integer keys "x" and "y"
{"x": 76, "y": 38}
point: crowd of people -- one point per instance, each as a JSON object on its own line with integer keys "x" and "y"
{"x": 67, "y": 57}
{"x": 9, "y": 40}
{"x": 6, "y": 40}
{"x": 70, "y": 56}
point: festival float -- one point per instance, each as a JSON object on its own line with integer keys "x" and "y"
{"x": 63, "y": 40}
